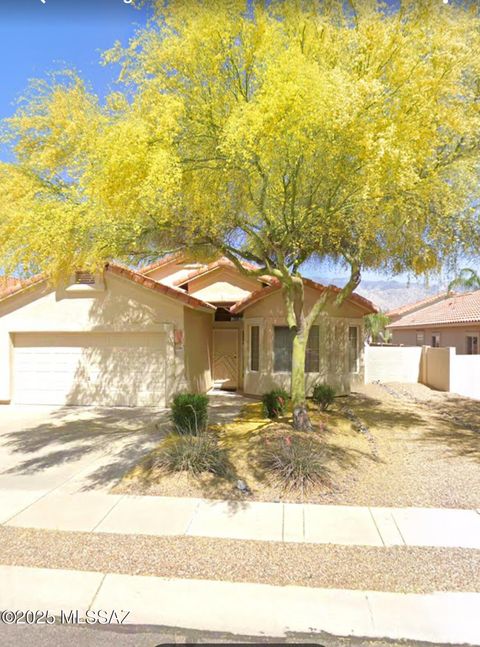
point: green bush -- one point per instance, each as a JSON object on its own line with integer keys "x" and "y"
{"x": 296, "y": 462}
{"x": 190, "y": 413}
{"x": 323, "y": 395}
{"x": 196, "y": 454}
{"x": 275, "y": 403}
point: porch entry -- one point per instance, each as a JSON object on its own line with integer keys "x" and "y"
{"x": 225, "y": 358}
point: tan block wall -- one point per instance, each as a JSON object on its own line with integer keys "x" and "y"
{"x": 436, "y": 368}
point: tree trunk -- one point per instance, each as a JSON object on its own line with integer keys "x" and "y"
{"x": 301, "y": 421}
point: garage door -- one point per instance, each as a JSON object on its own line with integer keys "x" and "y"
{"x": 118, "y": 369}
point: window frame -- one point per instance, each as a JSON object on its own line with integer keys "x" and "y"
{"x": 437, "y": 336}
{"x": 250, "y": 347}
{"x": 472, "y": 335}
{"x": 289, "y": 371}
{"x": 420, "y": 333}
{"x": 356, "y": 370}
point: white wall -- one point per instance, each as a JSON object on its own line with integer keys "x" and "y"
{"x": 392, "y": 364}
{"x": 465, "y": 376}
{"x": 439, "y": 368}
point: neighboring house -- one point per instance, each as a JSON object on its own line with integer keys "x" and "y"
{"x": 446, "y": 320}
{"x": 408, "y": 308}
{"x": 128, "y": 338}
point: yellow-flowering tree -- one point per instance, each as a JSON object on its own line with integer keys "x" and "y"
{"x": 274, "y": 132}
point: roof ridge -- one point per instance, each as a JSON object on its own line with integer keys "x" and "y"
{"x": 262, "y": 292}
{"x": 458, "y": 307}
{"x": 150, "y": 283}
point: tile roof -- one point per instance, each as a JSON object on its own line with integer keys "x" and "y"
{"x": 275, "y": 285}
{"x": 415, "y": 305}
{"x": 221, "y": 262}
{"x": 119, "y": 270}
{"x": 165, "y": 260}
{"x": 15, "y": 286}
{"x": 452, "y": 309}
{"x": 167, "y": 290}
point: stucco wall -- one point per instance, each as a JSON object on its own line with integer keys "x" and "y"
{"x": 333, "y": 338}
{"x": 392, "y": 364}
{"x": 198, "y": 350}
{"x": 121, "y": 307}
{"x": 450, "y": 337}
{"x": 222, "y": 285}
{"x": 436, "y": 366}
{"x": 172, "y": 272}
{"x": 465, "y": 376}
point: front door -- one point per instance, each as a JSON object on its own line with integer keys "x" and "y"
{"x": 225, "y": 358}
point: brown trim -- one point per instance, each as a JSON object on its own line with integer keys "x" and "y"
{"x": 168, "y": 291}
{"x": 120, "y": 270}
{"x": 22, "y": 285}
{"x": 222, "y": 263}
{"x": 169, "y": 258}
{"x": 260, "y": 294}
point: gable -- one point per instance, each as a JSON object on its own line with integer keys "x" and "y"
{"x": 222, "y": 285}
{"x": 122, "y": 305}
{"x": 174, "y": 272}
{"x": 272, "y": 306}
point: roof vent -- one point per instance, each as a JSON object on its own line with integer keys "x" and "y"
{"x": 84, "y": 278}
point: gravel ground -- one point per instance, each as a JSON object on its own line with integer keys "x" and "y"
{"x": 422, "y": 449}
{"x": 399, "y": 569}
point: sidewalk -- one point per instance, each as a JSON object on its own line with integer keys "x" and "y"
{"x": 281, "y": 522}
{"x": 252, "y": 609}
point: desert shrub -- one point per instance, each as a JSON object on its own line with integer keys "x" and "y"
{"x": 190, "y": 413}
{"x": 295, "y": 461}
{"x": 275, "y": 403}
{"x": 323, "y": 395}
{"x": 196, "y": 454}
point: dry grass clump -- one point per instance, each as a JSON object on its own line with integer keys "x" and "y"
{"x": 294, "y": 461}
{"x": 195, "y": 454}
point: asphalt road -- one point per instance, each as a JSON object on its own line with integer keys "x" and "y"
{"x": 151, "y": 636}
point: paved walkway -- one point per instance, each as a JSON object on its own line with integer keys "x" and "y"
{"x": 283, "y": 522}
{"x": 253, "y": 609}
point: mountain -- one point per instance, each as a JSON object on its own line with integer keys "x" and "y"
{"x": 387, "y": 295}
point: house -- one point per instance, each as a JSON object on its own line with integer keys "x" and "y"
{"x": 129, "y": 338}
{"x": 446, "y": 320}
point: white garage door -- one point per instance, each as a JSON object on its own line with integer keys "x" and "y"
{"x": 118, "y": 369}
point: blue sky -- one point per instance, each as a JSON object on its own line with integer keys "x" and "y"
{"x": 37, "y": 37}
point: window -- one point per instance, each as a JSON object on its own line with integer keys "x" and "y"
{"x": 312, "y": 357}
{"x": 254, "y": 348}
{"x": 420, "y": 338}
{"x": 472, "y": 344}
{"x": 436, "y": 340}
{"x": 282, "y": 350}
{"x": 353, "y": 354}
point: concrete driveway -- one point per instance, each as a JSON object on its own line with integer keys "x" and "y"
{"x": 77, "y": 449}
{"x": 73, "y": 449}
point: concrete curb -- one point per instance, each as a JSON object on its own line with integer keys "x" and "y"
{"x": 248, "y": 609}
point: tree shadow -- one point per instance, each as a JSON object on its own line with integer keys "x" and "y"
{"x": 116, "y": 439}
{"x": 382, "y": 414}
